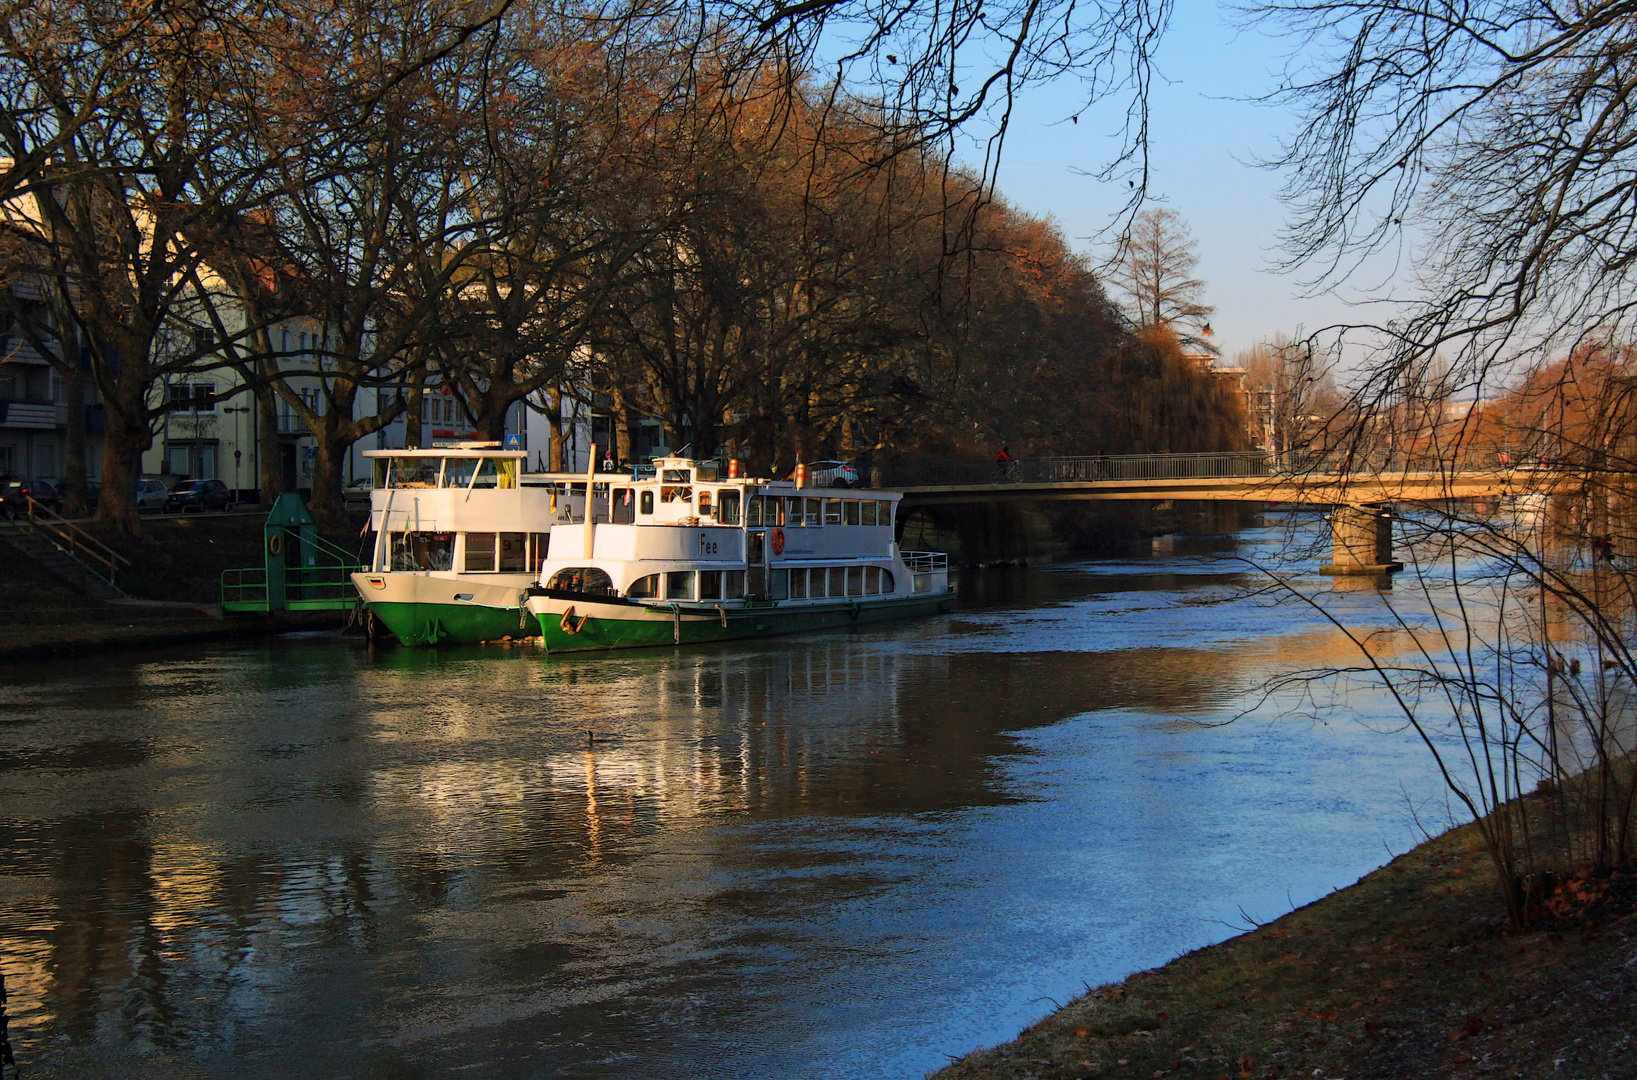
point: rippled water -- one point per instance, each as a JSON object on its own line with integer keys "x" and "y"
{"x": 851, "y": 854}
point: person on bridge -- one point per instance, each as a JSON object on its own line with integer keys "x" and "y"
{"x": 1004, "y": 461}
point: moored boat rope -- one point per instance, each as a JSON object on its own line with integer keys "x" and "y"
{"x": 676, "y": 625}
{"x": 567, "y": 623}
{"x": 722, "y": 611}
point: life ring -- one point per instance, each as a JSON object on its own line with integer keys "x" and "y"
{"x": 275, "y": 543}
{"x": 778, "y": 541}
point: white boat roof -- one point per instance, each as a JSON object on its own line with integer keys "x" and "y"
{"x": 459, "y": 450}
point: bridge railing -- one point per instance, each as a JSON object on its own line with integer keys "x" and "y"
{"x": 1112, "y": 467}
{"x": 895, "y": 474}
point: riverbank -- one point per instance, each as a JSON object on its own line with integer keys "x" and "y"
{"x": 1411, "y": 972}
{"x": 173, "y": 587}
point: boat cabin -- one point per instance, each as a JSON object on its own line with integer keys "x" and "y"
{"x": 686, "y": 533}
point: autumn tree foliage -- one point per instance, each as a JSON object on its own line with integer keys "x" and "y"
{"x": 535, "y": 202}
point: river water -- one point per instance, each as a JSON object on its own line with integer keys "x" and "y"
{"x": 853, "y": 854}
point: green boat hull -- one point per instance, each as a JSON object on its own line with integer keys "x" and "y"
{"x": 454, "y": 624}
{"x": 646, "y": 627}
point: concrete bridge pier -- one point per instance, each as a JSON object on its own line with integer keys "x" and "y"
{"x": 1362, "y": 535}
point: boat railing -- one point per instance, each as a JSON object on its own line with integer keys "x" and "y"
{"x": 311, "y": 588}
{"x": 926, "y": 562}
{"x": 929, "y": 570}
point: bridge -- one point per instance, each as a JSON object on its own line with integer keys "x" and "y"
{"x": 1361, "y": 489}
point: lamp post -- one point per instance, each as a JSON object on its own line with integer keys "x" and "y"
{"x": 237, "y": 453}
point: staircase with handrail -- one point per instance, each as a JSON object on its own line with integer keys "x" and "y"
{"x": 70, "y": 552}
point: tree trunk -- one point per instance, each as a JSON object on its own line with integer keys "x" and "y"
{"x": 122, "y": 450}
{"x": 623, "y": 438}
{"x": 414, "y": 408}
{"x": 329, "y": 451}
{"x": 75, "y": 503}
{"x": 554, "y": 417}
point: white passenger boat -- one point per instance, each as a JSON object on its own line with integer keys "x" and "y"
{"x": 460, "y": 534}
{"x": 689, "y": 556}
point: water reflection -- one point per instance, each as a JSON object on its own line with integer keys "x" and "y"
{"x": 862, "y": 849}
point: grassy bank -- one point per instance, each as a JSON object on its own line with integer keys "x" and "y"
{"x": 1412, "y": 972}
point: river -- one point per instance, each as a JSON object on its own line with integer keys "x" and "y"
{"x": 854, "y": 854}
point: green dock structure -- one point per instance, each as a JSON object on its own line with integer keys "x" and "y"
{"x": 302, "y": 571}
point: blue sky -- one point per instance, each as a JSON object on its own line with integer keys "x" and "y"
{"x": 1205, "y": 137}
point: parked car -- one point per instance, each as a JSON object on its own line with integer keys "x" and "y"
{"x": 199, "y": 495}
{"x": 150, "y": 495}
{"x": 835, "y": 474}
{"x": 356, "y": 495}
{"x": 15, "y": 494}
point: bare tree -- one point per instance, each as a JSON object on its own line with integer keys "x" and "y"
{"x": 1152, "y": 265}
{"x": 1495, "y": 141}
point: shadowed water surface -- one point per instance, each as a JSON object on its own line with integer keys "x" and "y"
{"x": 848, "y": 855}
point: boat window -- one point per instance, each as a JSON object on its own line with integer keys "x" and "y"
{"x": 705, "y": 472}
{"x": 855, "y": 581}
{"x": 412, "y": 472}
{"x": 812, "y": 521}
{"x": 772, "y": 511}
{"x": 792, "y": 513}
{"x": 710, "y": 584}
{"x": 538, "y": 544}
{"x": 733, "y": 584}
{"x": 705, "y": 503}
{"x": 675, "y": 476}
{"x": 872, "y": 578}
{"x": 779, "y": 584}
{"x": 838, "y": 581}
{"x": 647, "y": 502}
{"x": 883, "y": 514}
{"x": 727, "y": 507}
{"x": 582, "y": 579}
{"x": 457, "y": 472}
{"x": 679, "y": 585}
{"x": 832, "y": 511}
{"x": 675, "y": 494}
{"x": 487, "y": 475}
{"x": 423, "y": 551}
{"x": 514, "y": 552}
{"x": 506, "y": 473}
{"x": 886, "y": 581}
{"x": 625, "y": 506}
{"x": 867, "y": 509}
{"x": 753, "y": 511}
{"x": 851, "y": 508}
{"x": 480, "y": 553}
{"x": 644, "y": 588}
{"x": 798, "y": 584}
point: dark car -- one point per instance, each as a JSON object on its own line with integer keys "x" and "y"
{"x": 15, "y": 494}
{"x": 198, "y": 495}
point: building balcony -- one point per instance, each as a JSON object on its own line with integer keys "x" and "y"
{"x": 31, "y": 415}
